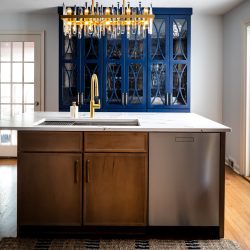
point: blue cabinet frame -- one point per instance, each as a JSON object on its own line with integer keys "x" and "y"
{"x": 155, "y": 83}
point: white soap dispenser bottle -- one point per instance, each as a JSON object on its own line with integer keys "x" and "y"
{"x": 74, "y": 110}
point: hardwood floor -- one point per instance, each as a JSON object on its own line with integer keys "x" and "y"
{"x": 237, "y": 209}
{"x": 8, "y": 194}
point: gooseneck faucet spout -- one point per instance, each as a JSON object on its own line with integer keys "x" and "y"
{"x": 94, "y": 100}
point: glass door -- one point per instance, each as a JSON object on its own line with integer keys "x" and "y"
{"x": 20, "y": 82}
{"x": 135, "y": 70}
{"x": 114, "y": 82}
{"x": 179, "y": 61}
{"x": 158, "y": 64}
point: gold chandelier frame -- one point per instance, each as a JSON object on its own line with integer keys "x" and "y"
{"x": 105, "y": 20}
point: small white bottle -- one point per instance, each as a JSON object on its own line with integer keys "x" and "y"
{"x": 74, "y": 110}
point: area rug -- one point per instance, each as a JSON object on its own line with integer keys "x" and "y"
{"x": 78, "y": 244}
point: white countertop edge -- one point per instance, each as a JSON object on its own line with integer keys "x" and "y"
{"x": 149, "y": 122}
{"x": 121, "y": 129}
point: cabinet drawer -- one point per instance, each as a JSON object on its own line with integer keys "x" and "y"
{"x": 115, "y": 142}
{"x": 34, "y": 141}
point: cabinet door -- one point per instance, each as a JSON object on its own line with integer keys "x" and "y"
{"x": 91, "y": 63}
{"x": 114, "y": 87}
{"x": 135, "y": 70}
{"x": 158, "y": 63}
{"x": 69, "y": 68}
{"x": 180, "y": 61}
{"x": 50, "y": 189}
{"x": 115, "y": 189}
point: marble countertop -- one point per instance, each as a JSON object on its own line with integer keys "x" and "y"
{"x": 151, "y": 122}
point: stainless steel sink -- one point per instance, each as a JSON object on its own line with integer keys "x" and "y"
{"x": 130, "y": 122}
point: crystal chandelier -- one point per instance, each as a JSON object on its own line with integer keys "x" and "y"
{"x": 97, "y": 20}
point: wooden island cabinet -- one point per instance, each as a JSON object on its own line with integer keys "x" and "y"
{"x": 120, "y": 183}
{"x": 116, "y": 179}
{"x": 50, "y": 178}
{"x": 54, "y": 190}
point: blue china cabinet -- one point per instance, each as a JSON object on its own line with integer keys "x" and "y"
{"x": 136, "y": 74}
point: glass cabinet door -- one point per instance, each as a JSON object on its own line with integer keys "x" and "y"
{"x": 180, "y": 60}
{"x": 114, "y": 90}
{"x": 91, "y": 58}
{"x": 136, "y": 61}
{"x": 158, "y": 64}
{"x": 68, "y": 72}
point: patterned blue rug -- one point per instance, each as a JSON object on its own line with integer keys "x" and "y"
{"x": 78, "y": 244}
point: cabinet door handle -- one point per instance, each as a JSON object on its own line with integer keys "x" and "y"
{"x": 123, "y": 99}
{"x": 126, "y": 98}
{"x": 82, "y": 98}
{"x": 78, "y": 98}
{"x": 76, "y": 171}
{"x": 87, "y": 170}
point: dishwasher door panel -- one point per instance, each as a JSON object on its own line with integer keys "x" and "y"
{"x": 184, "y": 179}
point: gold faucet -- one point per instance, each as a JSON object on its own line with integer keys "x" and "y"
{"x": 94, "y": 96}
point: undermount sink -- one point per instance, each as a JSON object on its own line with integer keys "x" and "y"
{"x": 127, "y": 122}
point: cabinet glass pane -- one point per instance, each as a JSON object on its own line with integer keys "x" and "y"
{"x": 135, "y": 95}
{"x": 29, "y": 52}
{"x": 114, "y": 84}
{"x": 17, "y": 93}
{"x": 17, "y": 72}
{"x": 114, "y": 47}
{"x": 70, "y": 83}
{"x": 69, "y": 75}
{"x": 5, "y": 93}
{"x": 89, "y": 70}
{"x": 158, "y": 84}
{"x": 17, "y": 54}
{"x": 5, "y": 72}
{"x": 69, "y": 47}
{"x": 91, "y": 48}
{"x": 179, "y": 39}
{"x": 158, "y": 40}
{"x": 5, "y": 51}
{"x": 135, "y": 47}
{"x": 179, "y": 84}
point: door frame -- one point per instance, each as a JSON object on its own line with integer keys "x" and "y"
{"x": 11, "y": 151}
{"x": 41, "y": 34}
{"x": 245, "y": 101}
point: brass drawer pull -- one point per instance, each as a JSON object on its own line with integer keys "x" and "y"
{"x": 76, "y": 166}
{"x": 87, "y": 171}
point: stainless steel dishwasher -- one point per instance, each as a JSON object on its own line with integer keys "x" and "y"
{"x": 184, "y": 179}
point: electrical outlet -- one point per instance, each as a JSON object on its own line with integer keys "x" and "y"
{"x": 231, "y": 162}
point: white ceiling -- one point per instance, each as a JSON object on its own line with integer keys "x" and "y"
{"x": 216, "y": 7}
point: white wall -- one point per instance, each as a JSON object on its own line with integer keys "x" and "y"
{"x": 233, "y": 63}
{"x": 36, "y": 23}
{"x": 207, "y": 66}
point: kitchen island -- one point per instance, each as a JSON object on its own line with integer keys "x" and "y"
{"x": 154, "y": 174}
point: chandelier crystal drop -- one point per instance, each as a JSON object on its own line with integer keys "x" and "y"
{"x": 97, "y": 20}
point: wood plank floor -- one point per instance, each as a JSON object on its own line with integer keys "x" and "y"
{"x": 8, "y": 198}
{"x": 237, "y": 209}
